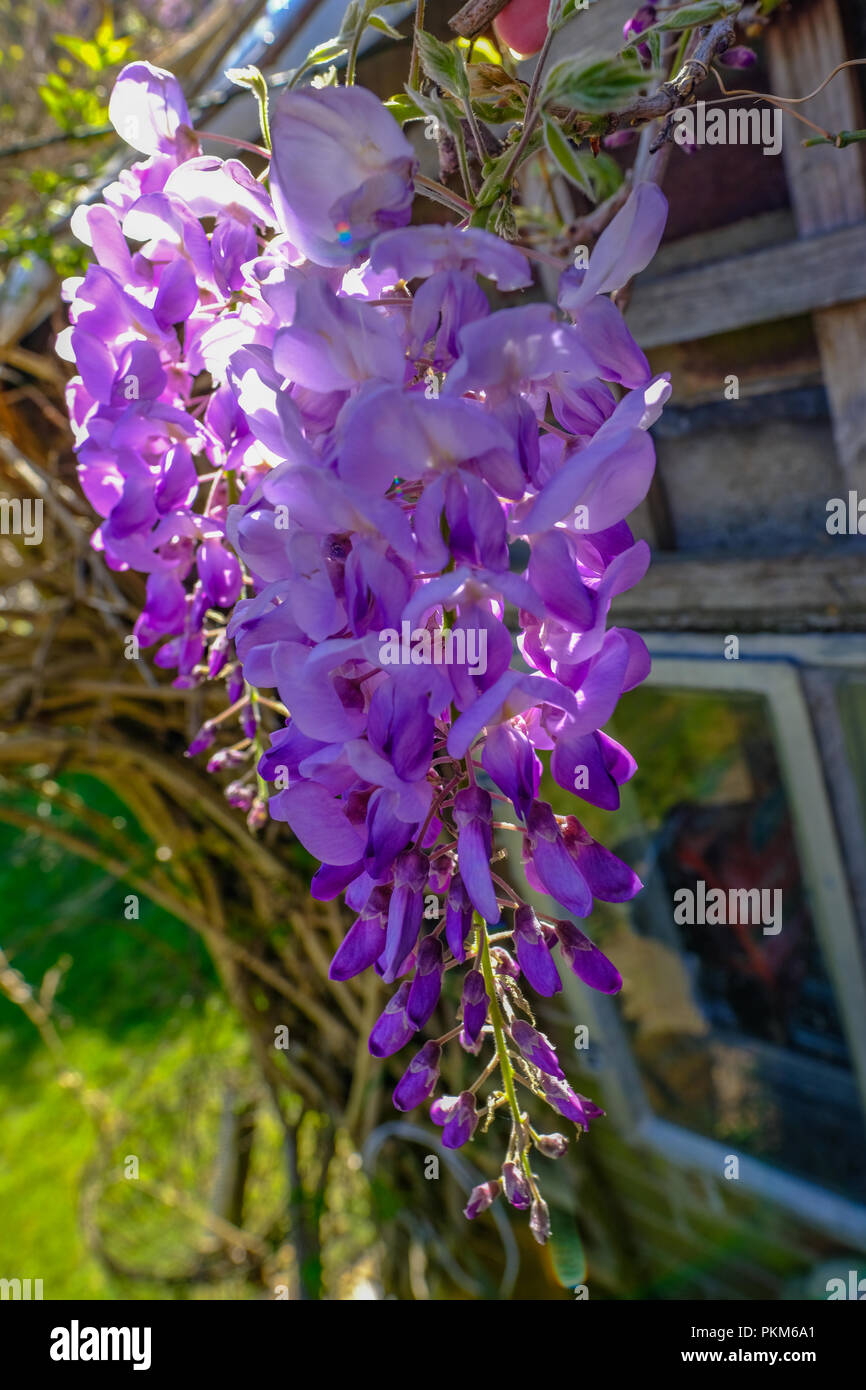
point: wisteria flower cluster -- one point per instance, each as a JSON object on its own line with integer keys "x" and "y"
{"x": 349, "y": 482}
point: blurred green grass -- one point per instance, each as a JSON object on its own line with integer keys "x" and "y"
{"x": 142, "y": 1017}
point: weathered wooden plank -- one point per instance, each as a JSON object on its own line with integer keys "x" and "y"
{"x": 841, "y": 334}
{"x": 775, "y": 283}
{"x": 720, "y": 243}
{"x": 828, "y": 190}
{"x": 826, "y": 185}
{"x": 824, "y": 593}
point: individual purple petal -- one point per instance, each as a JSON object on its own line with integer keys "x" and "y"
{"x": 390, "y": 433}
{"x": 609, "y": 478}
{"x": 439, "y": 878}
{"x": 589, "y": 963}
{"x": 473, "y": 812}
{"x": 554, "y": 576}
{"x": 320, "y": 822}
{"x": 642, "y": 19}
{"x": 609, "y": 878}
{"x": 480, "y": 1198}
{"x": 627, "y": 244}
{"x": 365, "y": 940}
{"x": 387, "y": 834}
{"x": 335, "y": 344}
{"x": 441, "y": 307}
{"x": 421, "y": 251}
{"x": 341, "y": 171}
{"x": 605, "y": 330}
{"x": 533, "y": 953}
{"x": 578, "y": 764}
{"x": 555, "y": 868}
{"x": 563, "y": 1099}
{"x": 219, "y": 571}
{"x": 441, "y": 1108}
{"x": 603, "y": 684}
{"x": 419, "y": 1078}
{"x": 509, "y": 758}
{"x": 458, "y": 918}
{"x": 474, "y": 1007}
{"x": 203, "y": 739}
{"x": 426, "y": 982}
{"x": 147, "y": 108}
{"x": 513, "y": 347}
{"x": 392, "y": 1029}
{"x": 738, "y": 57}
{"x": 461, "y": 1122}
{"x": 404, "y": 912}
{"x": 536, "y": 1048}
{"x": 213, "y": 187}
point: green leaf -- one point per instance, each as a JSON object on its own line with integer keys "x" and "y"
{"x": 443, "y": 64}
{"x": 568, "y": 160}
{"x": 687, "y": 17}
{"x": 566, "y": 1250}
{"x": 322, "y": 53}
{"x": 254, "y": 80}
{"x": 560, "y": 11}
{"x": 440, "y": 109}
{"x": 351, "y": 19}
{"x": 654, "y": 43}
{"x": 403, "y": 108}
{"x": 377, "y": 22}
{"x": 594, "y": 85}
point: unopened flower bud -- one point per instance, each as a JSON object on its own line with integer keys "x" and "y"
{"x": 239, "y": 796}
{"x": 739, "y": 57}
{"x": 517, "y": 1189}
{"x": 481, "y": 1197}
{"x": 203, "y": 739}
{"x": 552, "y": 1145}
{"x": 539, "y": 1220}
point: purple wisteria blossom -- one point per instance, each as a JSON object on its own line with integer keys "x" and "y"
{"x": 339, "y": 471}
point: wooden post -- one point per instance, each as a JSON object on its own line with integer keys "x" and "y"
{"x": 828, "y": 190}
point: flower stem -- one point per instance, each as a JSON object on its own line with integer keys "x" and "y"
{"x": 498, "y": 1026}
{"x": 415, "y": 63}
{"x": 532, "y": 111}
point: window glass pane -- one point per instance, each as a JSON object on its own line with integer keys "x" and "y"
{"x": 734, "y": 1027}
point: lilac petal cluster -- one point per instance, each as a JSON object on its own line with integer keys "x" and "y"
{"x": 349, "y": 481}
{"x": 163, "y": 445}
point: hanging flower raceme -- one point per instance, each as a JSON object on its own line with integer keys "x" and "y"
{"x": 333, "y": 483}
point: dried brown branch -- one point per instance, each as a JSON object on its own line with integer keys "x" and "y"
{"x": 475, "y": 17}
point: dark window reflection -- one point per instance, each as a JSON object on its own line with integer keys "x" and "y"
{"x": 736, "y": 1032}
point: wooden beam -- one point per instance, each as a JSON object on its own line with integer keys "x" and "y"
{"x": 798, "y": 593}
{"x": 828, "y": 190}
{"x": 775, "y": 283}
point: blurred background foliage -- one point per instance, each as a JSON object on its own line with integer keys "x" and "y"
{"x": 190, "y": 1109}
{"x": 155, "y": 1142}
